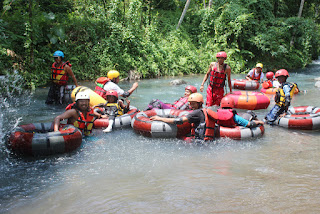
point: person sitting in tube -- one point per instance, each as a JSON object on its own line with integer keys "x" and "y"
{"x": 203, "y": 120}
{"x": 81, "y": 115}
{"x": 113, "y": 108}
{"x": 181, "y": 104}
{"x": 256, "y": 73}
{"x": 269, "y": 82}
{"x": 228, "y": 117}
{"x": 282, "y": 98}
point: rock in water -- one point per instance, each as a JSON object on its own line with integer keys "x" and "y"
{"x": 178, "y": 82}
{"x": 317, "y": 84}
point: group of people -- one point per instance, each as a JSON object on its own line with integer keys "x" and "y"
{"x": 203, "y": 120}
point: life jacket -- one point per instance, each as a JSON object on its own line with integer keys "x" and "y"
{"x": 71, "y": 106}
{"x": 119, "y": 110}
{"x": 280, "y": 97}
{"x": 101, "y": 81}
{"x": 207, "y": 130}
{"x": 85, "y": 124}
{"x": 267, "y": 84}
{"x": 217, "y": 78}
{"x": 58, "y": 74}
{"x": 182, "y": 103}
{"x": 253, "y": 76}
{"x": 226, "y": 117}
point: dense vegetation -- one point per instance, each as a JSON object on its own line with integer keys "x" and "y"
{"x": 141, "y": 35}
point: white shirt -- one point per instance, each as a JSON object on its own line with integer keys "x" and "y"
{"x": 256, "y": 74}
{"x": 112, "y": 86}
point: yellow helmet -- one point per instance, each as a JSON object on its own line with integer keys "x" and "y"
{"x": 113, "y": 74}
{"x": 195, "y": 97}
{"x": 259, "y": 65}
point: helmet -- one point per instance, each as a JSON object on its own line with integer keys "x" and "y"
{"x": 113, "y": 74}
{"x": 259, "y": 65}
{"x": 222, "y": 54}
{"x": 269, "y": 75}
{"x": 82, "y": 95}
{"x": 58, "y": 53}
{"x": 227, "y": 102}
{"x": 112, "y": 93}
{"x": 191, "y": 88}
{"x": 282, "y": 72}
{"x": 195, "y": 97}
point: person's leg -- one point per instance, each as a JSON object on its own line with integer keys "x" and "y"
{"x": 273, "y": 114}
{"x": 50, "y": 97}
{"x": 209, "y": 101}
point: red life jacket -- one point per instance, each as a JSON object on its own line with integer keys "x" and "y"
{"x": 71, "y": 106}
{"x": 226, "y": 117}
{"x": 217, "y": 78}
{"x": 253, "y": 76}
{"x": 101, "y": 81}
{"x": 85, "y": 124}
{"x": 181, "y": 104}
{"x": 58, "y": 74}
{"x": 210, "y": 125}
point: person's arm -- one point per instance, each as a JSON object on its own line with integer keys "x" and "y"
{"x": 179, "y": 120}
{"x": 70, "y": 73}
{"x": 228, "y": 72}
{"x": 134, "y": 87}
{"x": 70, "y": 114}
{"x": 206, "y": 77}
{"x": 262, "y": 76}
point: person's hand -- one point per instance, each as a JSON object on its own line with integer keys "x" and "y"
{"x": 155, "y": 118}
{"x": 201, "y": 88}
{"x": 104, "y": 116}
{"x": 135, "y": 85}
{"x": 282, "y": 115}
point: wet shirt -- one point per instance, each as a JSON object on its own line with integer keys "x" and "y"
{"x": 112, "y": 86}
{"x": 240, "y": 121}
{"x": 256, "y": 74}
{"x": 196, "y": 117}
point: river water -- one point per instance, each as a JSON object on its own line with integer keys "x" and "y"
{"x": 122, "y": 172}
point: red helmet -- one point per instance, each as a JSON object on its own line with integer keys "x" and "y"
{"x": 112, "y": 93}
{"x": 282, "y": 72}
{"x": 222, "y": 54}
{"x": 269, "y": 75}
{"x": 227, "y": 102}
{"x": 102, "y": 80}
{"x": 191, "y": 88}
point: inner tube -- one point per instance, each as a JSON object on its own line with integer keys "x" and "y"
{"x": 301, "y": 117}
{"x": 244, "y": 84}
{"x": 40, "y": 139}
{"x": 241, "y": 133}
{"x": 119, "y": 122}
{"x": 249, "y": 100}
{"x": 95, "y": 98}
{"x": 142, "y": 124}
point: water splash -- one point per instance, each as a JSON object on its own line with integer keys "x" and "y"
{"x": 13, "y": 96}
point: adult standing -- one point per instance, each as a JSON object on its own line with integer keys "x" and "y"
{"x": 114, "y": 77}
{"x": 60, "y": 72}
{"x": 256, "y": 73}
{"x": 217, "y": 74}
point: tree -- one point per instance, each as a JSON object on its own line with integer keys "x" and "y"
{"x": 183, "y": 13}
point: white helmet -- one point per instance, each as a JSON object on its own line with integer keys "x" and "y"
{"x": 82, "y": 95}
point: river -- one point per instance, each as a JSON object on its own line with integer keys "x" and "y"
{"x": 122, "y": 172}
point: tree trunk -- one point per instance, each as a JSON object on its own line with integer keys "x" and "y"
{"x": 210, "y": 3}
{"x": 204, "y": 4}
{"x": 31, "y": 33}
{"x": 275, "y": 8}
{"x": 183, "y": 13}
{"x": 301, "y": 8}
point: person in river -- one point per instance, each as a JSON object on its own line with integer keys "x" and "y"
{"x": 81, "y": 115}
{"x": 228, "y": 117}
{"x": 112, "y": 84}
{"x": 256, "y": 73}
{"x": 113, "y": 108}
{"x": 282, "y": 98}
{"x": 203, "y": 120}
{"x": 217, "y": 73}
{"x": 60, "y": 72}
{"x": 181, "y": 104}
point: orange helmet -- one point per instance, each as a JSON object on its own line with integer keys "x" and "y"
{"x": 195, "y": 97}
{"x": 282, "y": 72}
{"x": 227, "y": 102}
{"x": 191, "y": 88}
{"x": 269, "y": 75}
{"x": 112, "y": 93}
{"x": 222, "y": 54}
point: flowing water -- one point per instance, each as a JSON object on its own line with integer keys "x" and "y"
{"x": 122, "y": 172}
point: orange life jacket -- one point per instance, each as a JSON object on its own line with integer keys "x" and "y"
{"x": 181, "y": 104}
{"x": 253, "y": 76}
{"x": 226, "y": 117}
{"x": 217, "y": 78}
{"x": 101, "y": 81}
{"x": 85, "y": 124}
{"x": 58, "y": 74}
{"x": 209, "y": 126}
